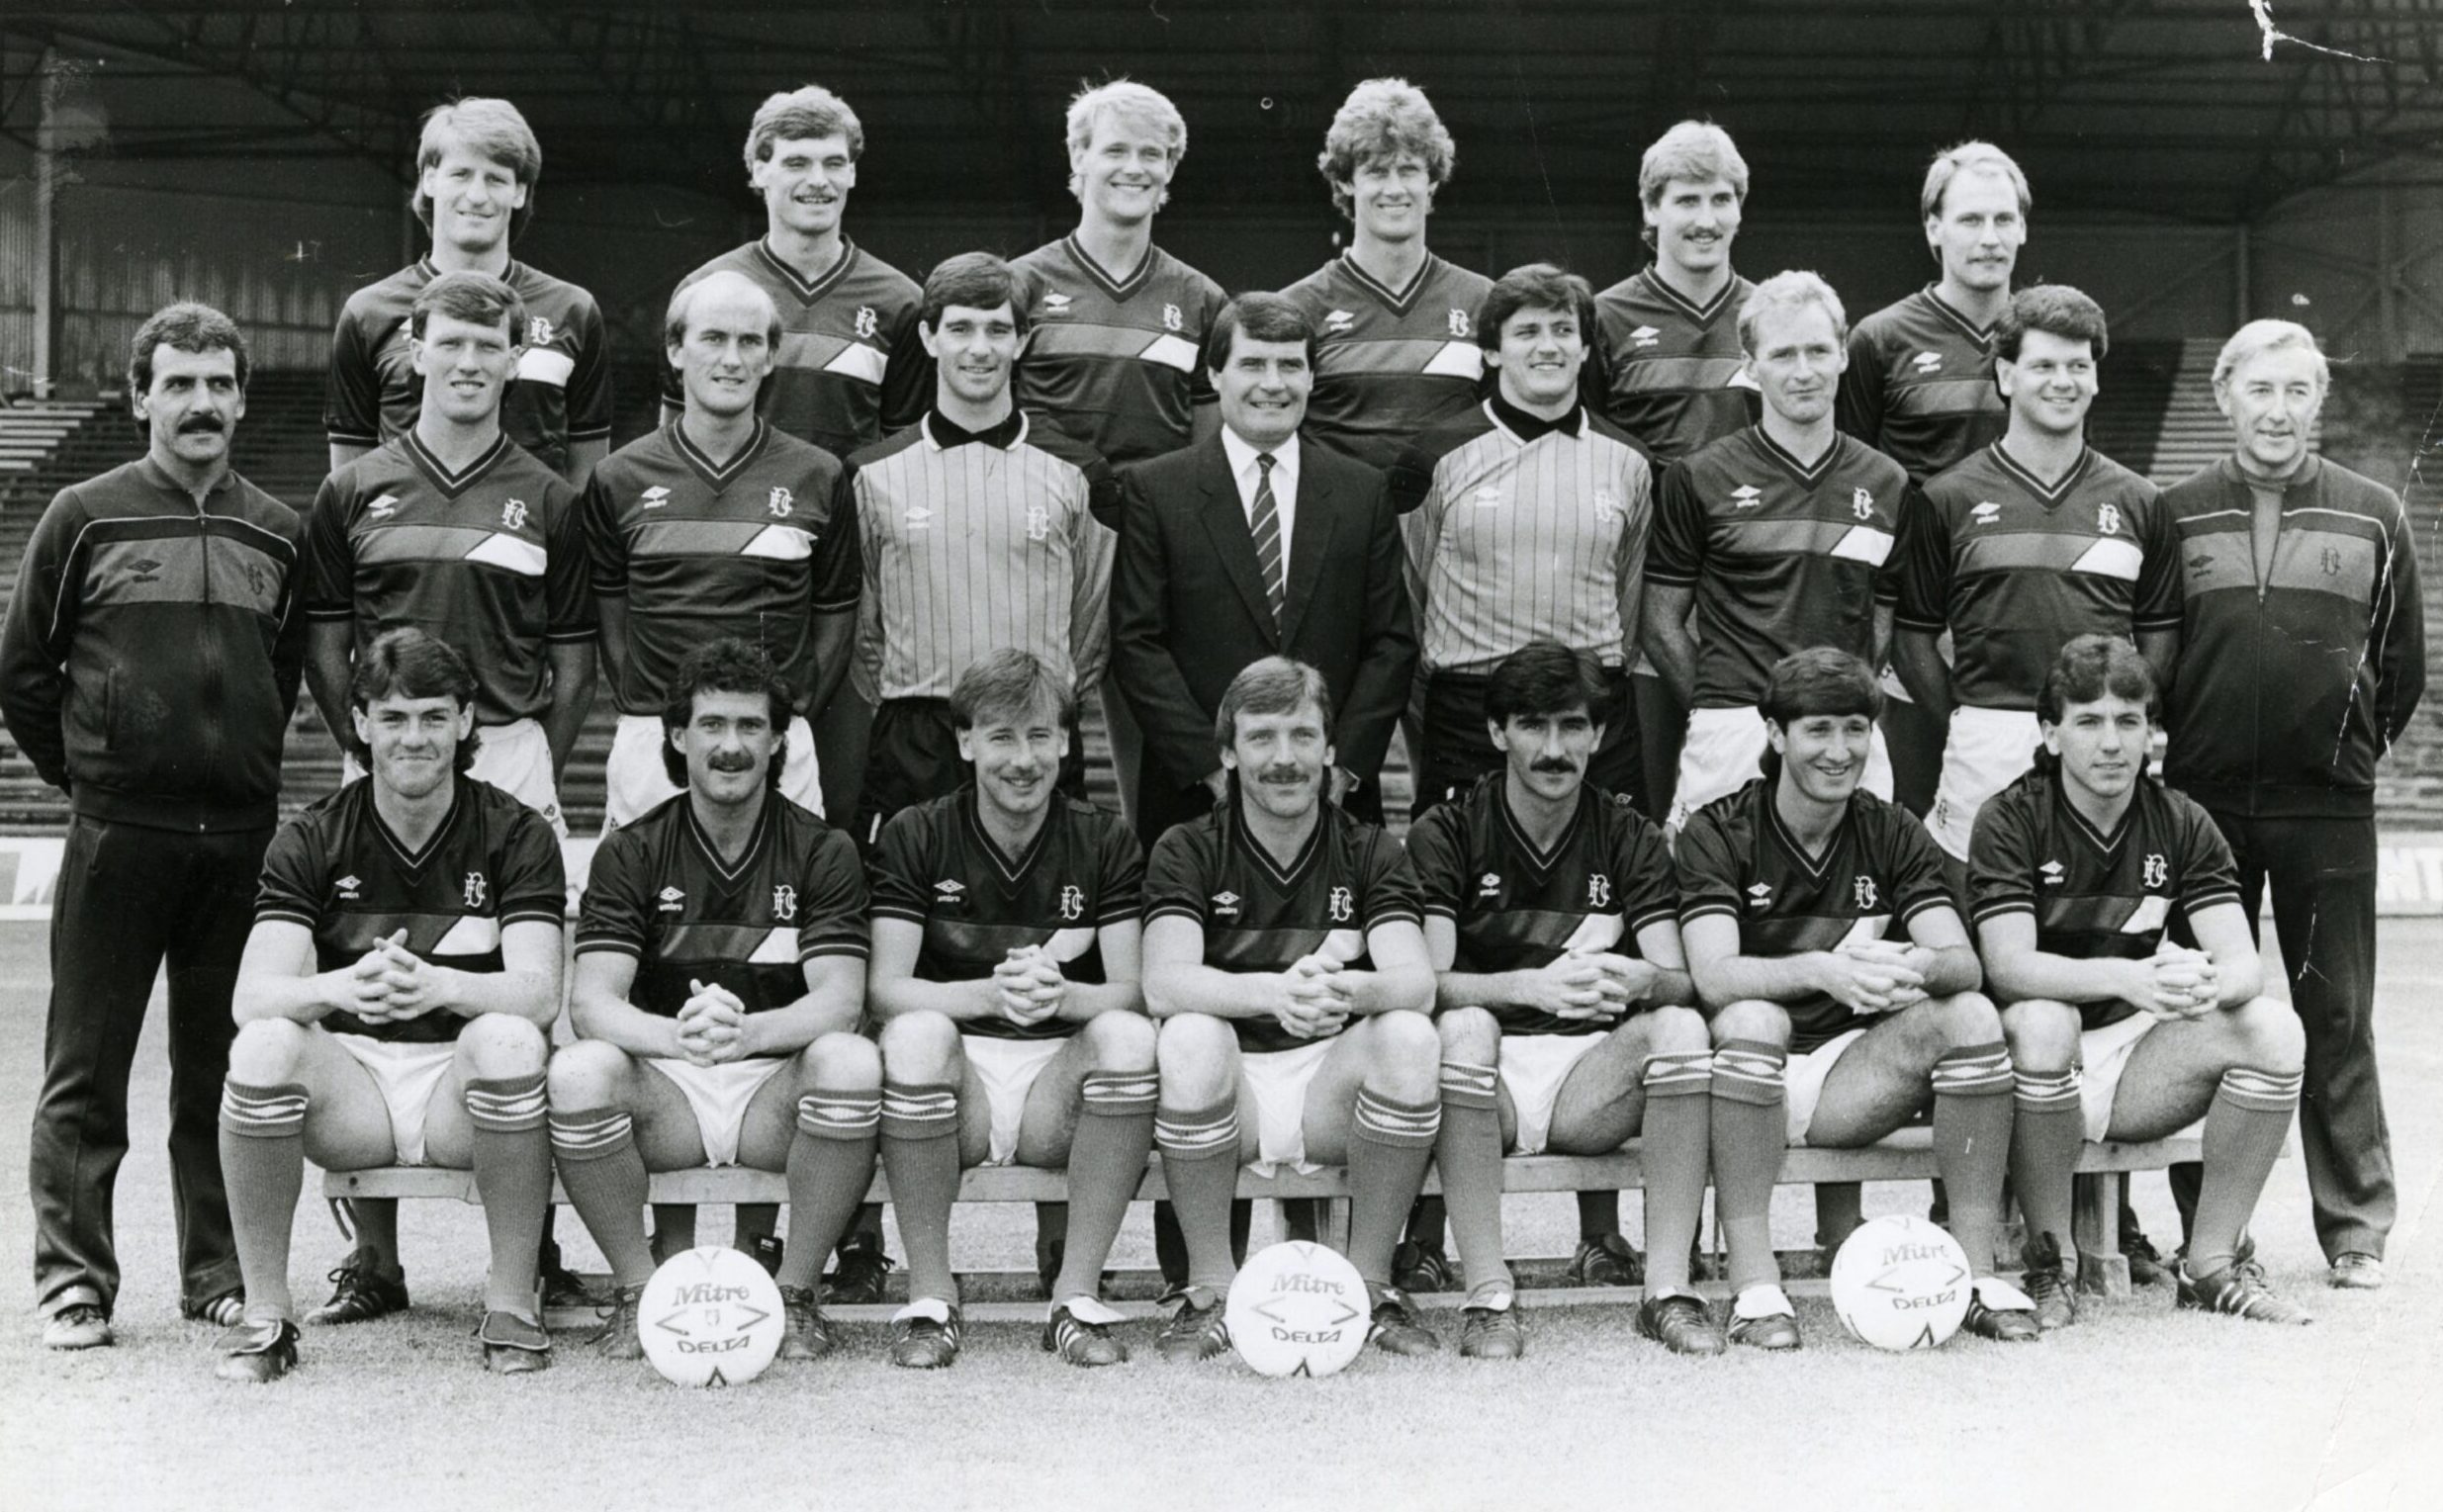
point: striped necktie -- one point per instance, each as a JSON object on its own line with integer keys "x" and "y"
{"x": 1266, "y": 527}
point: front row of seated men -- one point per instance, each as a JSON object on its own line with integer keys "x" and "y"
{"x": 1535, "y": 972}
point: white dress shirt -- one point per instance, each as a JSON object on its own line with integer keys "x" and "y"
{"x": 1242, "y": 455}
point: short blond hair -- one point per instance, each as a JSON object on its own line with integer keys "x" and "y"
{"x": 2259, "y": 336}
{"x": 1130, "y": 101}
{"x": 1968, "y": 156}
{"x": 1382, "y": 119}
{"x": 491, "y": 129}
{"x": 1693, "y": 149}
{"x": 1790, "y": 289}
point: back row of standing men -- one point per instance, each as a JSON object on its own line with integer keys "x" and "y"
{"x": 1329, "y": 474}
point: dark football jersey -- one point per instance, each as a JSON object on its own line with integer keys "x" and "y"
{"x": 1117, "y": 363}
{"x": 934, "y": 866}
{"x": 562, "y": 393}
{"x": 1780, "y": 555}
{"x": 491, "y": 560}
{"x": 2015, "y": 569}
{"x": 659, "y": 891}
{"x": 701, "y": 550}
{"x": 1259, "y": 916}
{"x": 851, "y": 367}
{"x": 1389, "y": 364}
{"x": 1919, "y": 386}
{"x": 1667, "y": 372}
{"x": 1739, "y": 860}
{"x": 337, "y": 869}
{"x": 2097, "y": 895}
{"x": 1518, "y": 908}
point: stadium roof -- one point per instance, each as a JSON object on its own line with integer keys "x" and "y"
{"x": 2164, "y": 108}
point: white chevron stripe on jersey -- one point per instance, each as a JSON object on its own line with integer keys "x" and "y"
{"x": 472, "y": 934}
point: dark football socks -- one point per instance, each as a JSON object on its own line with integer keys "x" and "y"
{"x": 512, "y": 1174}
{"x": 2244, "y": 1127}
{"x": 1677, "y": 1137}
{"x": 1389, "y": 1143}
{"x": 264, "y": 1163}
{"x": 830, "y": 1168}
{"x": 1199, "y": 1168}
{"x": 2048, "y": 1125}
{"x": 605, "y": 1177}
{"x": 920, "y": 1153}
{"x": 1468, "y": 1151}
{"x": 1972, "y": 1112}
{"x": 1751, "y": 1131}
{"x": 1107, "y": 1161}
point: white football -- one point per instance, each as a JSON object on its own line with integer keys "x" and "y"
{"x": 711, "y": 1317}
{"x": 1900, "y": 1284}
{"x": 1298, "y": 1309}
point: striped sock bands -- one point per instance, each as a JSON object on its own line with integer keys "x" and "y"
{"x": 263, "y": 1113}
{"x": 1678, "y": 1074}
{"x": 591, "y": 1133}
{"x": 1196, "y": 1134}
{"x": 848, "y": 1116}
{"x": 1405, "y": 1126}
{"x": 1974, "y": 1071}
{"x": 2047, "y": 1092}
{"x": 2261, "y": 1091}
{"x": 919, "y": 1110}
{"x": 1120, "y": 1094}
{"x": 509, "y": 1104}
{"x": 1466, "y": 1085}
{"x": 1749, "y": 1071}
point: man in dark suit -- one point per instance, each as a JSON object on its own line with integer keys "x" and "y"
{"x": 1248, "y": 545}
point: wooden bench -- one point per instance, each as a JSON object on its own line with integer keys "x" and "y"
{"x": 1904, "y": 1156}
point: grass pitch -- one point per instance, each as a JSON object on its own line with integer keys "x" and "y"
{"x": 2136, "y": 1407}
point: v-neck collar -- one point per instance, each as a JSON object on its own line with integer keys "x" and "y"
{"x": 719, "y": 475}
{"x": 807, "y": 290}
{"x": 1949, "y": 314}
{"x": 1285, "y": 878}
{"x": 1816, "y": 868}
{"x": 452, "y": 484}
{"x": 1013, "y": 870}
{"x": 1702, "y": 315}
{"x": 1540, "y": 861}
{"x": 2104, "y": 845}
{"x": 1801, "y": 473}
{"x": 730, "y": 873}
{"x": 1397, "y": 300}
{"x": 2051, "y": 495}
{"x": 1119, "y": 287}
{"x": 413, "y": 861}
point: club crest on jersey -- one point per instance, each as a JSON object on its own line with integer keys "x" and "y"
{"x": 2108, "y": 519}
{"x": 867, "y": 322}
{"x": 1599, "y": 891}
{"x": 2052, "y": 873}
{"x": 382, "y": 507}
{"x": 1488, "y": 885}
{"x": 1862, "y": 503}
{"x": 655, "y": 497}
{"x": 1038, "y": 522}
{"x": 1226, "y": 905}
{"x": 1172, "y": 319}
{"x": 1338, "y": 322}
{"x": 1986, "y": 512}
{"x": 1056, "y": 304}
{"x": 784, "y": 903}
{"x": 2158, "y": 870}
{"x": 1760, "y": 895}
{"x": 2332, "y": 561}
{"x": 782, "y": 501}
{"x": 1606, "y": 502}
{"x": 1072, "y": 903}
{"x": 1927, "y": 362}
{"x": 1646, "y": 335}
{"x": 671, "y": 900}
{"x": 539, "y": 332}
{"x": 1747, "y": 497}
{"x": 1343, "y": 906}
{"x": 514, "y": 514}
{"x": 1459, "y": 322}
{"x": 1862, "y": 891}
{"x": 475, "y": 889}
{"x": 348, "y": 887}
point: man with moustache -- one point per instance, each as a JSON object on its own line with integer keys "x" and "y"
{"x": 148, "y": 669}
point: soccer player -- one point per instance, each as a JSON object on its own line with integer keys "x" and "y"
{"x": 1919, "y": 385}
{"x": 1005, "y": 976}
{"x": 2086, "y": 874}
{"x": 1552, "y": 917}
{"x": 2305, "y": 646}
{"x": 1285, "y": 960}
{"x": 1766, "y": 542}
{"x": 720, "y": 977}
{"x": 718, "y": 523}
{"x": 396, "y": 1001}
{"x": 2031, "y": 541}
{"x": 977, "y": 529}
{"x": 1831, "y": 1027}
{"x": 1395, "y": 350}
{"x": 476, "y": 169}
{"x": 1667, "y": 366}
{"x": 148, "y": 670}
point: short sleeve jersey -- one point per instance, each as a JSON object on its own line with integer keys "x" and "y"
{"x": 1739, "y": 860}
{"x": 337, "y": 869}
{"x": 1390, "y": 364}
{"x": 491, "y": 560}
{"x": 1668, "y": 372}
{"x": 560, "y": 396}
{"x": 1117, "y": 363}
{"x": 2095, "y": 894}
{"x": 1780, "y": 556}
{"x": 2015, "y": 567}
{"x": 1260, "y": 915}
{"x": 1919, "y": 386}
{"x": 661, "y": 891}
{"x": 936, "y": 867}
{"x": 1517, "y": 907}
{"x": 851, "y": 367}
{"x": 754, "y": 547}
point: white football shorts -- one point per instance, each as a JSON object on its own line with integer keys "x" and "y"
{"x": 1986, "y": 751}
{"x": 1533, "y": 1067}
{"x": 720, "y": 1095}
{"x": 408, "y": 1075}
{"x": 2103, "y": 1056}
{"x": 1278, "y": 1081}
{"x": 1008, "y": 1069}
{"x": 1803, "y": 1080}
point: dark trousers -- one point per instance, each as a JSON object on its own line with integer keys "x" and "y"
{"x": 911, "y": 758}
{"x": 129, "y": 898}
{"x": 1458, "y": 749}
{"x": 2322, "y": 874}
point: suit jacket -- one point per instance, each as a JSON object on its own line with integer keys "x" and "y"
{"x": 1189, "y": 612}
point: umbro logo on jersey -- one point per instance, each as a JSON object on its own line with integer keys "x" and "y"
{"x": 1489, "y": 885}
{"x": 949, "y": 889}
{"x": 671, "y": 900}
{"x": 1760, "y": 895}
{"x": 147, "y": 570}
{"x": 867, "y": 322}
{"x": 1056, "y": 304}
{"x": 1486, "y": 496}
{"x": 1927, "y": 362}
{"x": 919, "y": 518}
{"x": 348, "y": 887}
{"x": 782, "y": 501}
{"x": 655, "y": 497}
{"x": 2156, "y": 871}
{"x": 1986, "y": 512}
{"x": 1645, "y": 335}
{"x": 1862, "y": 503}
{"x": 514, "y": 514}
{"x": 382, "y": 507}
{"x": 1226, "y": 905}
{"x": 1745, "y": 497}
{"x": 2052, "y": 873}
{"x": 1338, "y": 324}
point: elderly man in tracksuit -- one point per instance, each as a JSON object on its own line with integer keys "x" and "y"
{"x": 2304, "y": 653}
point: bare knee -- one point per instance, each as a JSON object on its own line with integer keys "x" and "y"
{"x": 586, "y": 1074}
{"x": 1969, "y": 1019}
{"x": 1195, "y": 1054}
{"x": 2272, "y": 1035}
{"x": 1470, "y": 1035}
{"x": 1119, "y": 1042}
{"x": 1751, "y": 1019}
{"x": 499, "y": 1046}
{"x": 266, "y": 1051}
{"x": 1673, "y": 1031}
{"x": 1406, "y": 1056}
{"x": 918, "y": 1046}
{"x": 841, "y": 1062}
{"x": 2043, "y": 1036}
